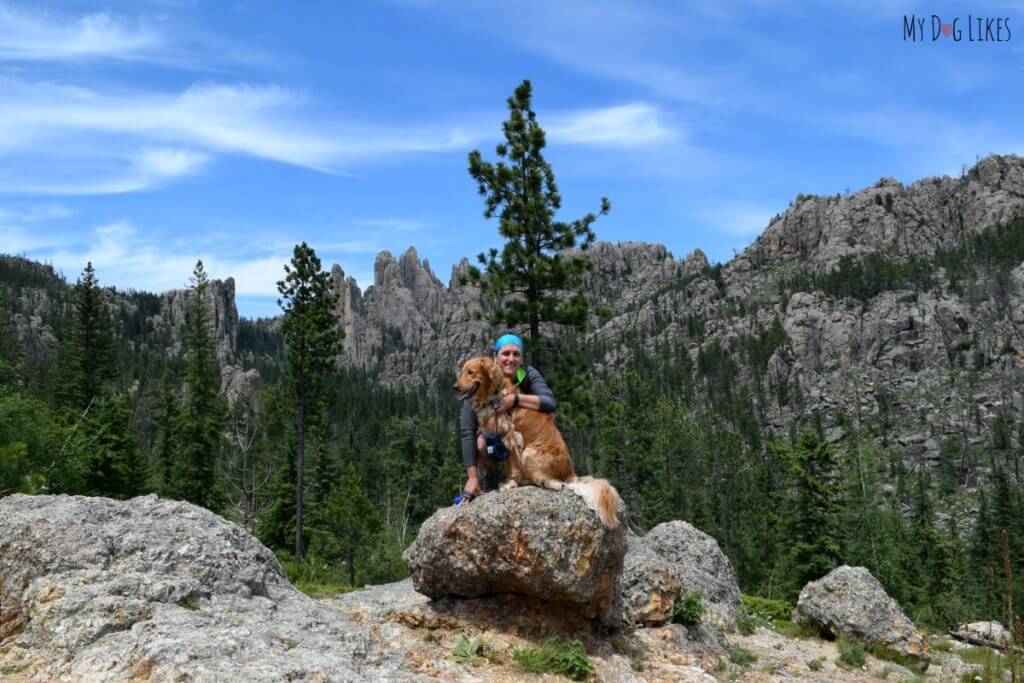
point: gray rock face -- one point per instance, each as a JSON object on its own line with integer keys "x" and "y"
{"x": 850, "y": 601}
{"x": 698, "y": 565}
{"x": 102, "y": 590}
{"x": 531, "y": 541}
{"x": 990, "y": 633}
{"x": 648, "y": 587}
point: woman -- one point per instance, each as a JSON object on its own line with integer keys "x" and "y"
{"x": 534, "y": 394}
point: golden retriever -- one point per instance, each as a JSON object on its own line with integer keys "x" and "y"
{"x": 537, "y": 452}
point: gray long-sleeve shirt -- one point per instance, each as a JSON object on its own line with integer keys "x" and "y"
{"x": 533, "y": 383}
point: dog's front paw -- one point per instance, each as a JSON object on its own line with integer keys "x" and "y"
{"x": 510, "y": 484}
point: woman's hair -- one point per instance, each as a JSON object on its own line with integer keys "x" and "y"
{"x": 508, "y": 339}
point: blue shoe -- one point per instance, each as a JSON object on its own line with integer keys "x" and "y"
{"x": 465, "y": 497}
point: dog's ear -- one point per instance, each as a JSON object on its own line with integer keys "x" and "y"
{"x": 496, "y": 375}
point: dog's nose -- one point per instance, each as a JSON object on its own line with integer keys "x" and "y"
{"x": 455, "y": 387}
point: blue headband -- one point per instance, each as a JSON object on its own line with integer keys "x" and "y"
{"x": 508, "y": 339}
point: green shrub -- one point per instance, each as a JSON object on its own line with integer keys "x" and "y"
{"x": 741, "y": 656}
{"x": 315, "y": 576}
{"x": 688, "y": 611}
{"x": 942, "y": 646}
{"x": 188, "y": 603}
{"x": 791, "y": 630}
{"x": 468, "y": 651}
{"x": 747, "y": 622}
{"x": 769, "y": 608}
{"x": 880, "y": 651}
{"x": 816, "y": 664}
{"x": 565, "y": 658}
{"x": 852, "y": 652}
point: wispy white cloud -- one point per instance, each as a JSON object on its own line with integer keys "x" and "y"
{"x": 624, "y": 125}
{"x": 394, "y": 223}
{"x": 100, "y": 134}
{"x": 146, "y": 168}
{"x": 36, "y": 35}
{"x": 129, "y": 257}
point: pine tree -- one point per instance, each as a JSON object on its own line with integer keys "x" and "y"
{"x": 312, "y": 342}
{"x": 10, "y": 351}
{"x": 351, "y": 516}
{"x": 814, "y": 535}
{"x": 535, "y": 269}
{"x": 88, "y": 349}
{"x": 115, "y": 465}
{"x": 202, "y": 416}
{"x": 168, "y": 444}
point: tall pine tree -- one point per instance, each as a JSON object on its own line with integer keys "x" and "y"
{"x": 87, "y": 353}
{"x": 312, "y": 343}
{"x": 531, "y": 277}
{"x": 814, "y": 535}
{"x": 202, "y": 417}
{"x": 168, "y": 420}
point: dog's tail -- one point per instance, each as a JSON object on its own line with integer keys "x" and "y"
{"x": 600, "y": 497}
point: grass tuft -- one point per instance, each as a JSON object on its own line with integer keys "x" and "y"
{"x": 188, "y": 602}
{"x": 852, "y": 652}
{"x": 562, "y": 657}
{"x": 469, "y": 651}
{"x": 741, "y": 656}
{"x": 689, "y": 611}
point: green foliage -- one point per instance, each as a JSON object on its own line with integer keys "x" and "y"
{"x": 852, "y": 652}
{"x": 816, "y": 664}
{"x": 986, "y": 657}
{"x": 767, "y": 608}
{"x": 879, "y": 651}
{"x": 189, "y": 603}
{"x": 168, "y": 421}
{"x": 468, "y": 650}
{"x": 351, "y": 519}
{"x": 741, "y": 656}
{"x": 105, "y": 438}
{"x": 202, "y": 416}
{"x": 747, "y": 622}
{"x": 312, "y": 343}
{"x": 797, "y": 630}
{"x": 534, "y": 280}
{"x": 814, "y": 512}
{"x": 689, "y": 611}
{"x": 36, "y": 451}
{"x": 563, "y": 657}
{"x": 316, "y": 576}
{"x": 88, "y": 347}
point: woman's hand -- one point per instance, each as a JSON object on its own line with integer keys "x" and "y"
{"x": 508, "y": 401}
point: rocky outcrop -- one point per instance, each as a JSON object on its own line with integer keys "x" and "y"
{"x": 149, "y": 589}
{"x": 528, "y": 541}
{"x": 850, "y": 601}
{"x": 699, "y": 565}
{"x": 222, "y": 316}
{"x": 986, "y": 633}
{"x": 648, "y": 587}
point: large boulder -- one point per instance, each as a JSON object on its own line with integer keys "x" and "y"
{"x": 648, "y": 587}
{"x": 530, "y": 541}
{"x": 148, "y": 589}
{"x": 850, "y": 601}
{"x": 698, "y": 565}
{"x": 987, "y": 633}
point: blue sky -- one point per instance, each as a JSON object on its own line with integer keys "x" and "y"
{"x": 144, "y": 135}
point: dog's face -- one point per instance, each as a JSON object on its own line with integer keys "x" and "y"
{"x": 478, "y": 378}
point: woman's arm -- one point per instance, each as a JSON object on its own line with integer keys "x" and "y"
{"x": 467, "y": 432}
{"x": 537, "y": 395}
